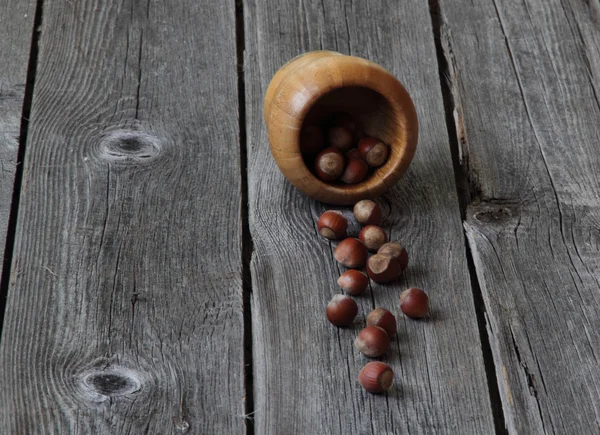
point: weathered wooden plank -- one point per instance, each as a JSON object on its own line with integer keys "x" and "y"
{"x": 16, "y": 26}
{"x": 305, "y": 370}
{"x": 525, "y": 76}
{"x": 125, "y": 313}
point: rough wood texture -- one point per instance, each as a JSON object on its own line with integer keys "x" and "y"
{"x": 300, "y": 94}
{"x": 525, "y": 78}
{"x": 125, "y": 308}
{"x": 305, "y": 369}
{"x": 16, "y": 26}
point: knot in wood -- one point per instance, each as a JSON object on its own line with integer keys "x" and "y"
{"x": 113, "y": 382}
{"x": 130, "y": 146}
{"x": 182, "y": 427}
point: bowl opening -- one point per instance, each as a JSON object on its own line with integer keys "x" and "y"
{"x": 375, "y": 116}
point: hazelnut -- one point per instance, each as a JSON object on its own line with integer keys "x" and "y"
{"x": 355, "y": 172}
{"x": 342, "y": 119}
{"x": 414, "y": 302}
{"x": 342, "y": 310}
{"x": 353, "y": 154}
{"x": 373, "y": 151}
{"x": 384, "y": 319}
{"x": 311, "y": 140}
{"x": 372, "y": 341}
{"x": 396, "y": 250}
{"x": 373, "y": 237}
{"x": 329, "y": 164}
{"x": 345, "y": 120}
{"x": 367, "y": 212}
{"x": 332, "y": 225}
{"x": 340, "y": 138}
{"x": 353, "y": 282}
{"x": 351, "y": 253}
{"x": 376, "y": 377}
{"x": 383, "y": 268}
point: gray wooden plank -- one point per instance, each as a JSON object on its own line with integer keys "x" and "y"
{"x": 304, "y": 369}
{"x": 525, "y": 76}
{"x": 125, "y": 313}
{"x": 16, "y": 26}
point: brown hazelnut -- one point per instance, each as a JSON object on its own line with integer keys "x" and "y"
{"x": 329, "y": 164}
{"x": 342, "y": 119}
{"x": 353, "y": 282}
{"x": 396, "y": 250}
{"x": 340, "y": 138}
{"x": 414, "y": 302}
{"x": 355, "y": 172}
{"x": 384, "y": 319}
{"x": 373, "y": 237}
{"x": 347, "y": 121}
{"x": 311, "y": 140}
{"x": 351, "y": 253}
{"x": 372, "y": 341}
{"x": 341, "y": 310}
{"x": 373, "y": 151}
{"x": 383, "y": 268}
{"x": 353, "y": 154}
{"x": 376, "y": 377}
{"x": 367, "y": 212}
{"x": 332, "y": 225}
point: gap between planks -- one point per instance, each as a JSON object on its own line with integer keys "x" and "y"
{"x": 6, "y": 267}
{"x": 247, "y": 243}
{"x": 466, "y": 190}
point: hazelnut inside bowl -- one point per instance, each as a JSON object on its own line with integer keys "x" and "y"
{"x": 310, "y": 90}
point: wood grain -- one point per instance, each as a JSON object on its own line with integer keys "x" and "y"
{"x": 305, "y": 370}
{"x": 525, "y": 78}
{"x": 16, "y": 26}
{"x": 125, "y": 310}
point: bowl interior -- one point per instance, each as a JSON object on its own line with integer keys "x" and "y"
{"x": 374, "y": 113}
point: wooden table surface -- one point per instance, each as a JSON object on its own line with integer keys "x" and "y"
{"x": 161, "y": 276}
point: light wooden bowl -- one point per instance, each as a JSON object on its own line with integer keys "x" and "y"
{"x": 316, "y": 84}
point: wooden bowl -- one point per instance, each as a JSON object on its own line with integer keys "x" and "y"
{"x": 317, "y": 84}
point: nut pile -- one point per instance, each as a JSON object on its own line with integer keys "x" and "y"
{"x": 387, "y": 263}
{"x": 341, "y": 151}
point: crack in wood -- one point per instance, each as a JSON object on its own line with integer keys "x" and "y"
{"x": 468, "y": 190}
{"x": 247, "y": 241}
{"x": 20, "y": 179}
{"x": 139, "y": 75}
{"x": 530, "y": 378}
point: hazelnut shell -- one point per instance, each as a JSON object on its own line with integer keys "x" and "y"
{"x": 384, "y": 319}
{"x": 341, "y": 310}
{"x": 376, "y": 377}
{"x": 356, "y": 171}
{"x": 373, "y": 151}
{"x": 353, "y": 154}
{"x": 343, "y": 119}
{"x": 353, "y": 282}
{"x": 332, "y": 225}
{"x": 383, "y": 268}
{"x": 372, "y": 341}
{"x": 340, "y": 138}
{"x": 351, "y": 253}
{"x": 397, "y": 251}
{"x": 373, "y": 237}
{"x": 367, "y": 212}
{"x": 329, "y": 164}
{"x": 414, "y": 303}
